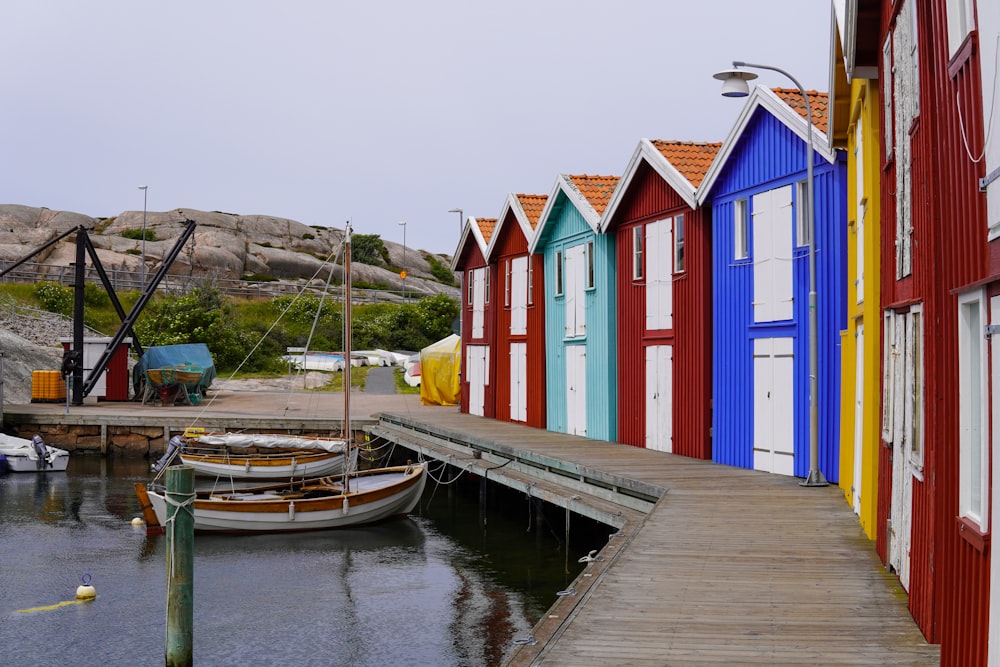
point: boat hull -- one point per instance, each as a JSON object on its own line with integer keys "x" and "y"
{"x": 285, "y": 466}
{"x": 21, "y": 462}
{"x": 375, "y": 496}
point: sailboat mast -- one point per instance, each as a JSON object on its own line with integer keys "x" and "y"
{"x": 347, "y": 352}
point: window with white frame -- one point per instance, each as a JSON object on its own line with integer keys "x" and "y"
{"x": 506, "y": 283}
{"x": 972, "y": 418}
{"x": 740, "y": 223}
{"x": 559, "y": 273}
{"x": 888, "y": 372}
{"x": 531, "y": 279}
{"x": 914, "y": 413}
{"x": 802, "y": 231}
{"x": 961, "y": 21}
{"x": 486, "y": 284}
{"x": 590, "y": 264}
{"x": 637, "y": 233}
{"x": 679, "y": 243}
{"x": 887, "y": 111}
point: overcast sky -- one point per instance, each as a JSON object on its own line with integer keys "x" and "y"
{"x": 378, "y": 112}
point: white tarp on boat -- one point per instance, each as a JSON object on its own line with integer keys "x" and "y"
{"x": 271, "y": 440}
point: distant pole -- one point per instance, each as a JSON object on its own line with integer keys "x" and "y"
{"x": 403, "y": 272}
{"x": 461, "y": 219}
{"x": 180, "y": 566}
{"x": 144, "y": 188}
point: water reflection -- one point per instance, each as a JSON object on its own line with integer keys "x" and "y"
{"x": 443, "y": 587}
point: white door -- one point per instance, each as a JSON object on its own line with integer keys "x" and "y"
{"x": 774, "y": 408}
{"x": 576, "y": 268}
{"x": 576, "y": 389}
{"x": 519, "y": 296}
{"x": 659, "y": 398}
{"x": 478, "y": 301}
{"x": 519, "y": 382}
{"x": 859, "y": 412}
{"x": 994, "y": 640}
{"x": 772, "y": 255}
{"x": 903, "y": 429}
{"x": 478, "y": 363}
{"x": 659, "y": 275}
{"x": 91, "y": 355}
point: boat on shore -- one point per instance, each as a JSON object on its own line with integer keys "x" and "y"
{"x": 23, "y": 455}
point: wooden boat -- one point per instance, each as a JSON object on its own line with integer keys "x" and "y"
{"x": 314, "y": 504}
{"x": 23, "y": 455}
{"x": 212, "y": 454}
{"x": 354, "y": 498}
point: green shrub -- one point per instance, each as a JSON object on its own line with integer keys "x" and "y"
{"x": 441, "y": 271}
{"x": 136, "y": 234}
{"x": 55, "y": 298}
{"x": 369, "y": 249}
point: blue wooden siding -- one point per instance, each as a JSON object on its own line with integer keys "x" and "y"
{"x": 567, "y": 228}
{"x": 769, "y": 156}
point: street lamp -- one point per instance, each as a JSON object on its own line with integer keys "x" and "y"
{"x": 461, "y": 218}
{"x": 142, "y": 270}
{"x": 403, "y": 272}
{"x": 734, "y": 84}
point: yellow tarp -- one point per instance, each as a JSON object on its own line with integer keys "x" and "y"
{"x": 440, "y": 364}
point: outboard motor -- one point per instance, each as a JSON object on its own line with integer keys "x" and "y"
{"x": 172, "y": 447}
{"x": 42, "y": 451}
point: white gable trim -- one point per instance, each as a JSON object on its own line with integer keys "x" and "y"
{"x": 763, "y": 97}
{"x": 511, "y": 205}
{"x": 565, "y": 186}
{"x": 667, "y": 171}
{"x": 471, "y": 227}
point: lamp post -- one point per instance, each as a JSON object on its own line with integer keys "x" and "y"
{"x": 461, "y": 218}
{"x": 403, "y": 272}
{"x": 734, "y": 84}
{"x": 142, "y": 270}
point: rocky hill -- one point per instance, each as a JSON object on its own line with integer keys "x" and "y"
{"x": 224, "y": 247}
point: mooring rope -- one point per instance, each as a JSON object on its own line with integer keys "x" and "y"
{"x": 185, "y": 505}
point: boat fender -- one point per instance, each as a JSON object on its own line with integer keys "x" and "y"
{"x": 85, "y": 591}
{"x": 347, "y": 506}
{"x": 291, "y": 510}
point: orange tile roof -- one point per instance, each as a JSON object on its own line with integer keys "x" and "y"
{"x": 532, "y": 205}
{"x": 486, "y": 226}
{"x": 817, "y": 102}
{"x": 691, "y": 158}
{"x": 595, "y": 189}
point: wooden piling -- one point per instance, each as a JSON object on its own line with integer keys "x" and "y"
{"x": 180, "y": 566}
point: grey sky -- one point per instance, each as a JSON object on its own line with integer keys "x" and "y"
{"x": 323, "y": 111}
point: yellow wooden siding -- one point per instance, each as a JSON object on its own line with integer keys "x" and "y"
{"x": 865, "y": 110}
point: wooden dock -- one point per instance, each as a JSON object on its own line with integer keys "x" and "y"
{"x": 721, "y": 566}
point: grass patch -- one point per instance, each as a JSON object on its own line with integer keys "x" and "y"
{"x": 401, "y": 386}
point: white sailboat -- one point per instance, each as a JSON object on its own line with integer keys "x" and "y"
{"x": 351, "y": 499}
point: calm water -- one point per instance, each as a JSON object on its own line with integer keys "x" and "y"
{"x": 449, "y": 585}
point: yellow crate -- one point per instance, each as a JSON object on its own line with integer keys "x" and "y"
{"x": 47, "y": 386}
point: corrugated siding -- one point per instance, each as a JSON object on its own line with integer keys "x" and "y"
{"x": 471, "y": 259}
{"x": 650, "y": 198}
{"x": 958, "y": 256}
{"x": 767, "y": 157}
{"x": 510, "y": 245}
{"x": 567, "y": 228}
{"x": 950, "y": 578}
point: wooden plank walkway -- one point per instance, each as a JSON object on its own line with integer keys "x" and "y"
{"x": 731, "y": 566}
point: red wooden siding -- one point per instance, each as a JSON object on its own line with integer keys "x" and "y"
{"x": 471, "y": 258}
{"x": 650, "y": 198}
{"x": 510, "y": 244}
{"x": 949, "y": 580}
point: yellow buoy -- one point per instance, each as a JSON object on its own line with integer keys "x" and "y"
{"x": 137, "y": 521}
{"x": 85, "y": 591}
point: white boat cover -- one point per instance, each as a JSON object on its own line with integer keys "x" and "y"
{"x": 270, "y": 440}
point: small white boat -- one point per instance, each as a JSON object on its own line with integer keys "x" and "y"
{"x": 330, "y": 362}
{"x": 33, "y": 455}
{"x": 314, "y": 504}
